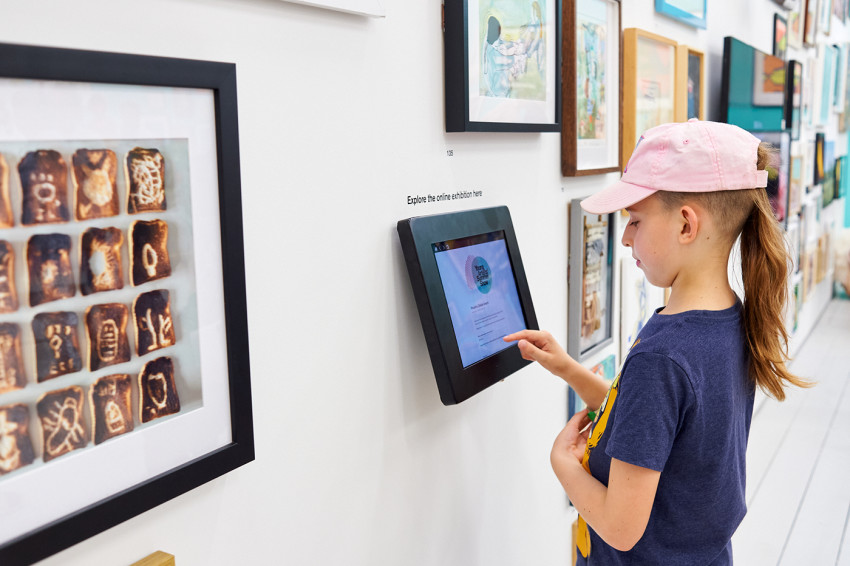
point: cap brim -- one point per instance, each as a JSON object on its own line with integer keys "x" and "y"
{"x": 615, "y": 197}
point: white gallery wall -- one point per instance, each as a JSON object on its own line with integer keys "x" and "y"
{"x": 341, "y": 119}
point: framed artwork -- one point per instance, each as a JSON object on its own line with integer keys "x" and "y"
{"x": 844, "y": 115}
{"x": 691, "y": 12}
{"x": 819, "y": 159}
{"x": 840, "y": 81}
{"x": 795, "y": 29}
{"x": 779, "y": 172}
{"x": 792, "y": 236}
{"x": 828, "y": 58}
{"x": 838, "y": 9}
{"x": 768, "y": 80}
{"x": 125, "y": 381}
{"x": 795, "y": 185}
{"x": 591, "y": 94}
{"x": 650, "y": 88}
{"x": 780, "y": 36}
{"x": 691, "y": 72}
{"x": 638, "y": 301}
{"x": 502, "y": 65}
{"x": 828, "y": 185}
{"x": 361, "y": 7}
{"x": 825, "y": 16}
{"x": 591, "y": 282}
{"x": 810, "y": 23}
{"x": 794, "y": 98}
{"x": 606, "y": 369}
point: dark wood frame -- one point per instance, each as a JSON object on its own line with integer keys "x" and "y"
{"x": 455, "y": 40}
{"x": 569, "y": 119}
{"x": 53, "y": 64}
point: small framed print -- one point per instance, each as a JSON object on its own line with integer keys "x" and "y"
{"x": 691, "y": 12}
{"x": 650, "y": 87}
{"x": 794, "y": 98}
{"x": 591, "y": 282}
{"x": 119, "y": 195}
{"x": 690, "y": 73}
{"x": 810, "y": 17}
{"x": 795, "y": 29}
{"x": 591, "y": 93}
{"x": 779, "y": 173}
{"x": 502, "y": 65}
{"x": 780, "y": 36}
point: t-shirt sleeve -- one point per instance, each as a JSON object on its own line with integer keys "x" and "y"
{"x": 654, "y": 395}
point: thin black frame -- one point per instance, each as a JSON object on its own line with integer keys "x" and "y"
{"x": 792, "y": 103}
{"x": 417, "y": 236}
{"x": 57, "y": 64}
{"x": 776, "y": 19}
{"x": 575, "y": 276}
{"x": 455, "y": 41}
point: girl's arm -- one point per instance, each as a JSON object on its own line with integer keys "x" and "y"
{"x": 618, "y": 513}
{"x": 539, "y": 346}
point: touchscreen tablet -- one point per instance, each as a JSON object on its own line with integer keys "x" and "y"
{"x": 470, "y": 290}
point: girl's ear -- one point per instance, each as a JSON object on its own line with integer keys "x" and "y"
{"x": 689, "y": 225}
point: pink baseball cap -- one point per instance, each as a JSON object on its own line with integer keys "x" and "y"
{"x": 692, "y": 156}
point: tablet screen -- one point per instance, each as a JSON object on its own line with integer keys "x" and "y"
{"x": 481, "y": 293}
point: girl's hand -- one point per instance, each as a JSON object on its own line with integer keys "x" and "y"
{"x": 539, "y": 346}
{"x": 573, "y": 438}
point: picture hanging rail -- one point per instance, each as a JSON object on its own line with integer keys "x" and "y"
{"x": 124, "y": 373}
{"x": 362, "y": 7}
{"x": 502, "y": 65}
{"x": 591, "y": 92}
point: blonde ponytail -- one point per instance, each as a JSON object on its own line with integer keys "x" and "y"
{"x": 765, "y": 265}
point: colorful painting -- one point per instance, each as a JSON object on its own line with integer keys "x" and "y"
{"x": 591, "y": 41}
{"x": 512, "y": 35}
{"x": 656, "y": 84}
{"x": 768, "y": 80}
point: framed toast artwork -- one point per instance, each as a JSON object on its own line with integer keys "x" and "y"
{"x": 124, "y": 381}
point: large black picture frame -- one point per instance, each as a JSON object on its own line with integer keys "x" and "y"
{"x": 494, "y": 111}
{"x": 56, "y": 66}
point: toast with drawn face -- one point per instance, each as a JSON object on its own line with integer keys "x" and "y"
{"x": 8, "y": 291}
{"x": 157, "y": 393}
{"x": 106, "y": 326}
{"x": 12, "y": 374}
{"x": 44, "y": 182}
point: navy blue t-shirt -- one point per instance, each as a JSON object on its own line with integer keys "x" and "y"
{"x": 682, "y": 405}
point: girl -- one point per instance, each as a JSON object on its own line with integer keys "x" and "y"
{"x": 660, "y": 476}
